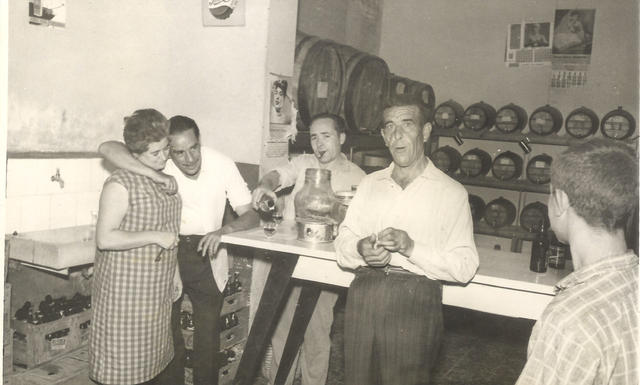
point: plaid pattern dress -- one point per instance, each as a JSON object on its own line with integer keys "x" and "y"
{"x": 132, "y": 292}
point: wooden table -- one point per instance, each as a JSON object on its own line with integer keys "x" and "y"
{"x": 503, "y": 285}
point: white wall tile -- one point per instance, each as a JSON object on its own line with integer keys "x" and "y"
{"x": 20, "y": 176}
{"x": 86, "y": 204}
{"x": 100, "y": 171}
{"x": 63, "y": 210}
{"x": 13, "y": 220}
{"x": 35, "y": 213}
{"x": 76, "y": 174}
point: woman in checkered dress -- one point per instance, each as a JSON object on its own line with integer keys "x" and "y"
{"x": 137, "y": 233}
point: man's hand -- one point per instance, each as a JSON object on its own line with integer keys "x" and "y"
{"x": 167, "y": 240}
{"x": 395, "y": 240}
{"x": 210, "y": 243}
{"x": 372, "y": 254}
{"x": 168, "y": 183}
{"x": 258, "y": 193}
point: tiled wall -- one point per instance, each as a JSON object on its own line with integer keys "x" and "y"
{"x": 34, "y": 202}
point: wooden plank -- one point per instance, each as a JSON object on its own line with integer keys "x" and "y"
{"x": 304, "y": 310}
{"x": 265, "y": 318}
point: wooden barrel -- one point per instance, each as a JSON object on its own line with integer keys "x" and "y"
{"x": 475, "y": 162}
{"x": 533, "y": 216}
{"x": 318, "y": 78}
{"x": 618, "y": 124}
{"x": 507, "y": 166}
{"x": 479, "y": 116}
{"x": 448, "y": 115}
{"x": 581, "y": 122}
{"x": 499, "y": 212}
{"x": 424, "y": 92}
{"x": 447, "y": 159}
{"x": 539, "y": 169}
{"x": 511, "y": 118}
{"x": 477, "y": 207}
{"x": 365, "y": 89}
{"x": 545, "y": 120}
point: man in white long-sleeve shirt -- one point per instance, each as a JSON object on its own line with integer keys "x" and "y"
{"x": 408, "y": 227}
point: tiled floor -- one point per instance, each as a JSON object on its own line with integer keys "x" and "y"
{"x": 478, "y": 348}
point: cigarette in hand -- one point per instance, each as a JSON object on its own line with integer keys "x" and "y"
{"x": 375, "y": 242}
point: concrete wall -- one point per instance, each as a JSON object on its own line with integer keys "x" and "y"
{"x": 458, "y": 47}
{"x": 69, "y": 88}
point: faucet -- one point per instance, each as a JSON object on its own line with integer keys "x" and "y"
{"x": 57, "y": 178}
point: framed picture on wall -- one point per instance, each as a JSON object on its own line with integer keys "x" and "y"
{"x": 537, "y": 34}
{"x": 223, "y": 12}
{"x": 573, "y": 31}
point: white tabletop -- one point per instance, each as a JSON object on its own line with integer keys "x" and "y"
{"x": 497, "y": 268}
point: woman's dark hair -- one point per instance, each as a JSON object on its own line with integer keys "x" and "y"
{"x": 143, "y": 127}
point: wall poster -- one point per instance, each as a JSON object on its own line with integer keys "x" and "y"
{"x": 223, "y": 12}
{"x": 528, "y": 44}
{"x": 572, "y": 45}
{"x": 282, "y": 122}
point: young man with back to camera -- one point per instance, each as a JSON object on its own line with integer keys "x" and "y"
{"x": 588, "y": 334}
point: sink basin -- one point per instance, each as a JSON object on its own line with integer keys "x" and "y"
{"x": 57, "y": 248}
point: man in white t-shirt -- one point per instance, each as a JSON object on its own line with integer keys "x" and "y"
{"x": 327, "y": 134}
{"x": 206, "y": 179}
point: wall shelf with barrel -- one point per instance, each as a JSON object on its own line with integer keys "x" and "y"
{"x": 339, "y": 79}
{"x": 335, "y": 78}
{"x": 480, "y": 123}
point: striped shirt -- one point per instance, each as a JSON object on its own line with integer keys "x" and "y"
{"x": 588, "y": 334}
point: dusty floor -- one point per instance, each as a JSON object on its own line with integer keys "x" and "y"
{"x": 478, "y": 348}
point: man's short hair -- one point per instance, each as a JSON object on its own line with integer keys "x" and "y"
{"x": 402, "y": 100}
{"x": 600, "y": 177}
{"x": 179, "y": 124}
{"x": 143, "y": 127}
{"x": 338, "y": 123}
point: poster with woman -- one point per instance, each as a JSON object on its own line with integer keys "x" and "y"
{"x": 573, "y": 31}
{"x": 280, "y": 112}
{"x": 536, "y": 34}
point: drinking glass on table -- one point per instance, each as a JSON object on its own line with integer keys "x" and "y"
{"x": 269, "y": 228}
{"x": 276, "y": 216}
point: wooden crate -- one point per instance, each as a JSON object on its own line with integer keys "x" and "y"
{"x": 70, "y": 368}
{"x": 32, "y": 344}
{"x": 7, "y": 354}
{"x": 237, "y": 333}
{"x": 7, "y": 306}
{"x": 235, "y": 302}
{"x": 228, "y": 372}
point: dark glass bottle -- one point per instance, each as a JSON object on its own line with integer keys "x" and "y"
{"x": 556, "y": 254}
{"x": 539, "y": 248}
